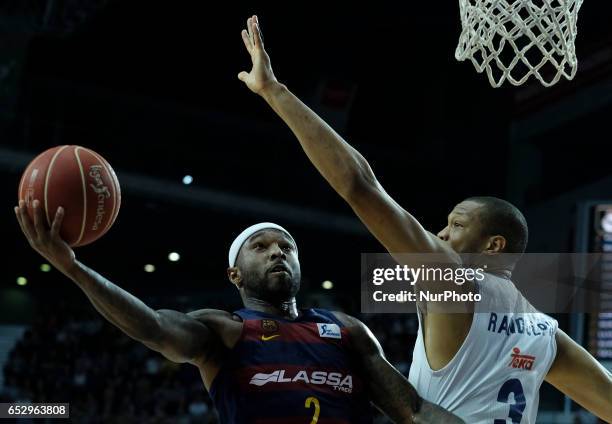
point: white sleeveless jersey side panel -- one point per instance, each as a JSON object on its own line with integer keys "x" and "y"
{"x": 498, "y": 371}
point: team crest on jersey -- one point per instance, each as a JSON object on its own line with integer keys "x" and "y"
{"x": 269, "y": 325}
{"x": 521, "y": 361}
{"x": 331, "y": 331}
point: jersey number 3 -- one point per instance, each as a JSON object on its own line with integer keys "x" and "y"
{"x": 515, "y": 387}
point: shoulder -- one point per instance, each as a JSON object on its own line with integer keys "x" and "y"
{"x": 353, "y": 325}
{"x": 227, "y": 326}
{"x": 345, "y": 319}
{"x": 363, "y": 340}
{"x": 217, "y": 315}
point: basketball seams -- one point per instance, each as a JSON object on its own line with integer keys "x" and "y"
{"x": 117, "y": 194}
{"x": 112, "y": 179}
{"x": 47, "y": 177}
{"x": 78, "y": 159}
{"x": 115, "y": 182}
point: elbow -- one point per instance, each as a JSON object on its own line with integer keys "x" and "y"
{"x": 152, "y": 333}
{"x": 360, "y": 186}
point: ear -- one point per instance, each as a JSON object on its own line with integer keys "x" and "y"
{"x": 235, "y": 277}
{"x": 495, "y": 244}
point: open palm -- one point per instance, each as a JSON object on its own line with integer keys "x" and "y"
{"x": 261, "y": 74}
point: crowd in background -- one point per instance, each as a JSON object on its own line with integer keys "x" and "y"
{"x": 109, "y": 378}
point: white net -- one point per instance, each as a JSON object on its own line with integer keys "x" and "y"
{"x": 516, "y": 39}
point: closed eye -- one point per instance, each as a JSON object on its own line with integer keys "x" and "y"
{"x": 457, "y": 224}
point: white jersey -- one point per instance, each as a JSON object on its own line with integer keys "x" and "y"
{"x": 496, "y": 375}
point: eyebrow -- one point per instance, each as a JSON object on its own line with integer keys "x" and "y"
{"x": 457, "y": 214}
{"x": 257, "y": 237}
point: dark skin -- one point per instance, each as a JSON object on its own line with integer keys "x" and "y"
{"x": 267, "y": 276}
{"x": 574, "y": 372}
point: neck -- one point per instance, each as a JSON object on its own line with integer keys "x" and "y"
{"x": 285, "y": 309}
{"x": 495, "y": 265}
{"x": 500, "y": 272}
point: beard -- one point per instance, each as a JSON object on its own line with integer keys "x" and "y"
{"x": 271, "y": 288}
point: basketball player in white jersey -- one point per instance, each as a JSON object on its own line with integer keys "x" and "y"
{"x": 485, "y": 367}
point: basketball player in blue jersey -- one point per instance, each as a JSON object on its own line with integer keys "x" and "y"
{"x": 269, "y": 363}
{"x": 484, "y": 366}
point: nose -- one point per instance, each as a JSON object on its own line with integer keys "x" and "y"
{"x": 277, "y": 252}
{"x": 443, "y": 234}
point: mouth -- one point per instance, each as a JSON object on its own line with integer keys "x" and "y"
{"x": 279, "y": 269}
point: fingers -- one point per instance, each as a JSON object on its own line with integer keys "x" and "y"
{"x": 36, "y": 232}
{"x": 250, "y": 29}
{"x": 242, "y": 76}
{"x": 18, "y": 215}
{"x": 247, "y": 41}
{"x": 252, "y": 36}
{"x": 257, "y": 37}
{"x": 39, "y": 226}
{"x": 24, "y": 221}
{"x": 57, "y": 222}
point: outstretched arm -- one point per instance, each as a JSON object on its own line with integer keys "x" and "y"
{"x": 177, "y": 336}
{"x": 577, "y": 374}
{"x": 391, "y": 392}
{"x": 341, "y": 165}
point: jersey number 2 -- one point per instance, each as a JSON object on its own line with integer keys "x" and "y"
{"x": 317, "y": 408}
{"x": 516, "y": 409}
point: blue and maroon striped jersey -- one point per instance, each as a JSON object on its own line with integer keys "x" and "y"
{"x": 291, "y": 371}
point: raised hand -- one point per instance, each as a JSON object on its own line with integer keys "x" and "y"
{"x": 261, "y": 75}
{"x": 46, "y": 241}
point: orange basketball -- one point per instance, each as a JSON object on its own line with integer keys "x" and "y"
{"x": 79, "y": 180}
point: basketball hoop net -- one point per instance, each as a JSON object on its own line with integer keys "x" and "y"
{"x": 515, "y": 39}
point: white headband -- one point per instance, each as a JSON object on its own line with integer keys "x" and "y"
{"x": 243, "y": 236}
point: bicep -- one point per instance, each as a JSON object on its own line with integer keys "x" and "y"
{"x": 182, "y": 338}
{"x": 578, "y": 375}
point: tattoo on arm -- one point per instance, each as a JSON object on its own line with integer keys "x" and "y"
{"x": 390, "y": 391}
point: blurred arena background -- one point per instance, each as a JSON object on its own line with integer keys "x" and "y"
{"x": 152, "y": 86}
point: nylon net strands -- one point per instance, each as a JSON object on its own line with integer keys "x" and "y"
{"x": 516, "y": 39}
